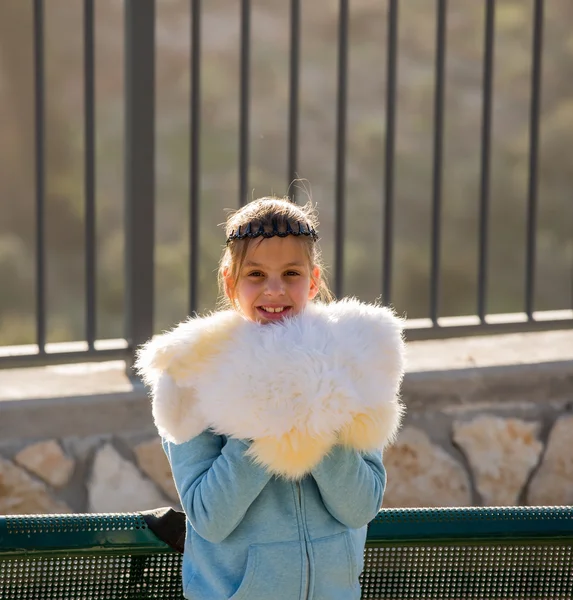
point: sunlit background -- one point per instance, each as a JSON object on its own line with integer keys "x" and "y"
{"x": 219, "y": 158}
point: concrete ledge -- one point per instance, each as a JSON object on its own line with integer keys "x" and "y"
{"x": 492, "y": 385}
{"x": 490, "y": 351}
{"x": 95, "y": 414}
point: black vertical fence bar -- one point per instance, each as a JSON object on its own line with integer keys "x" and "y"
{"x": 139, "y": 169}
{"x": 533, "y": 157}
{"x": 89, "y": 173}
{"x": 194, "y": 175}
{"x": 39, "y": 110}
{"x": 293, "y": 95}
{"x": 489, "y": 40}
{"x": 437, "y": 161}
{"x": 244, "y": 100}
{"x": 340, "y": 183}
{"x": 391, "y": 83}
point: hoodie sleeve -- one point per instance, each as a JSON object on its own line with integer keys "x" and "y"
{"x": 216, "y": 481}
{"x": 351, "y": 485}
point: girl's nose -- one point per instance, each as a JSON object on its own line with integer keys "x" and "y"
{"x": 274, "y": 287}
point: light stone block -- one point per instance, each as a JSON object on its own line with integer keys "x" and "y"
{"x": 502, "y": 454}
{"x": 47, "y": 461}
{"x": 421, "y": 474}
{"x": 552, "y": 485}
{"x": 116, "y": 485}
{"x": 152, "y": 461}
{"x": 20, "y": 494}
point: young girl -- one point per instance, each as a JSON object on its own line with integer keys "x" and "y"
{"x": 274, "y": 413}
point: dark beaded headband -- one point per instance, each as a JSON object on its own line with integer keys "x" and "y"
{"x": 260, "y": 232}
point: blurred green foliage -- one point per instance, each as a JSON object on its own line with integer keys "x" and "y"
{"x": 268, "y": 152}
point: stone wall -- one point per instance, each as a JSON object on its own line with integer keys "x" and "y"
{"x": 489, "y": 422}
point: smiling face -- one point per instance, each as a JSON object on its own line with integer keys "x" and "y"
{"x": 276, "y": 279}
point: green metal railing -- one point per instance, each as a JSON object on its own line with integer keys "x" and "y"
{"x": 470, "y": 553}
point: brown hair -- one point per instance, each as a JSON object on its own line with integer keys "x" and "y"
{"x": 268, "y": 213}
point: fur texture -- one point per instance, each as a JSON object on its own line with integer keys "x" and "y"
{"x": 295, "y": 388}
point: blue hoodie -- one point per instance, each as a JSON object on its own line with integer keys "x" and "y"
{"x": 252, "y": 535}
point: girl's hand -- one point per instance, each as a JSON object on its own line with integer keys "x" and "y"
{"x": 351, "y": 485}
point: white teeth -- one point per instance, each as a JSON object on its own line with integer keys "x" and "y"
{"x": 270, "y": 309}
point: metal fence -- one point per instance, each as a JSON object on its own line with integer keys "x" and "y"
{"x": 139, "y": 174}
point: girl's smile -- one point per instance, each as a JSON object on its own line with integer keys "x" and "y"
{"x": 273, "y": 313}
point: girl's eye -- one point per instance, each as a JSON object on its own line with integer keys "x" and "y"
{"x": 255, "y": 274}
{"x": 292, "y": 273}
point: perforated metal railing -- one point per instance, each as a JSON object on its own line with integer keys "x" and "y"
{"x": 520, "y": 553}
{"x": 85, "y": 557}
{"x": 466, "y": 553}
{"x": 469, "y": 572}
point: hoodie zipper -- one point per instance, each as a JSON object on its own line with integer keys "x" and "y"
{"x": 303, "y": 526}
